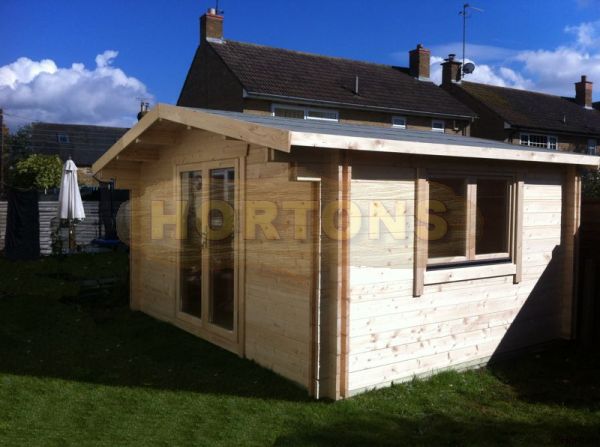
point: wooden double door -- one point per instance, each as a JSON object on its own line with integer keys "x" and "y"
{"x": 207, "y": 256}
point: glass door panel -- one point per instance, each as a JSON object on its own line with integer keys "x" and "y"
{"x": 221, "y": 249}
{"x": 190, "y": 255}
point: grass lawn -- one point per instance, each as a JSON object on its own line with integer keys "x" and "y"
{"x": 83, "y": 370}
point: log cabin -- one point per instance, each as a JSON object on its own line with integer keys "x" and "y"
{"x": 347, "y": 257}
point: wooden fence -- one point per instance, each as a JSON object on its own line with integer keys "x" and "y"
{"x": 86, "y": 230}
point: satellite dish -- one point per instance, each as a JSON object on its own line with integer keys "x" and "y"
{"x": 469, "y": 68}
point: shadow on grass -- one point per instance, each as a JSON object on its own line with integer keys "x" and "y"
{"x": 101, "y": 341}
{"x": 436, "y": 429}
{"x": 566, "y": 375}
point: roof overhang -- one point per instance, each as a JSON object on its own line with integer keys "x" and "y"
{"x": 139, "y": 143}
{"x": 140, "y": 140}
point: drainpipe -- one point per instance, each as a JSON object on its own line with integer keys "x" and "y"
{"x": 316, "y": 299}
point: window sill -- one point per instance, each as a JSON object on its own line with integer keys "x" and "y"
{"x": 454, "y": 274}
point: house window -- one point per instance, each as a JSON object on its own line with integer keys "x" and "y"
{"x": 62, "y": 138}
{"x": 288, "y": 112}
{"x": 542, "y": 141}
{"x": 469, "y": 219}
{"x": 285, "y": 111}
{"x": 325, "y": 115}
{"x": 399, "y": 122}
{"x": 591, "y": 146}
{"x": 438, "y": 125}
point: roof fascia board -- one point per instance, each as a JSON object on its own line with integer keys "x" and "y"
{"x": 230, "y": 127}
{"x": 130, "y": 136}
{"x": 437, "y": 149}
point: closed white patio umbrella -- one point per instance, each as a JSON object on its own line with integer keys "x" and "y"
{"x": 70, "y": 206}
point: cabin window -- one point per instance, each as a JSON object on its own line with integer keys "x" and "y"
{"x": 467, "y": 226}
{"x": 541, "y": 141}
{"x": 306, "y": 113}
{"x": 438, "y": 125}
{"x": 469, "y": 220}
{"x": 591, "y": 146}
{"x": 399, "y": 122}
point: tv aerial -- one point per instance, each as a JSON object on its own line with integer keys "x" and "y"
{"x": 469, "y": 67}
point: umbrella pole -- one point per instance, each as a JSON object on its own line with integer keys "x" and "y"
{"x": 72, "y": 243}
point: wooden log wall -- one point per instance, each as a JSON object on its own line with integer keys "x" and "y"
{"x": 275, "y": 283}
{"x": 395, "y": 336}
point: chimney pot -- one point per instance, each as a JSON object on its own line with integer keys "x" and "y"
{"x": 419, "y": 62}
{"x": 583, "y": 92}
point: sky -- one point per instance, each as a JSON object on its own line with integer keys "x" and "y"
{"x": 78, "y": 61}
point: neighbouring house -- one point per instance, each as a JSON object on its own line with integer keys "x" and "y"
{"x": 348, "y": 257}
{"x": 528, "y": 118}
{"x": 83, "y": 143}
{"x": 243, "y": 77}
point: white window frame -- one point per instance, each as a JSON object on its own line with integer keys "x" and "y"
{"x": 63, "y": 138}
{"x": 437, "y": 129}
{"x": 306, "y": 111}
{"x": 399, "y": 126}
{"x": 547, "y": 137}
{"x": 592, "y": 144}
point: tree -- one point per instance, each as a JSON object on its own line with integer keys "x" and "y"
{"x": 591, "y": 184}
{"x": 18, "y": 144}
{"x": 37, "y": 171}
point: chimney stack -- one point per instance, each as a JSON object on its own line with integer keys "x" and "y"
{"x": 420, "y": 63}
{"x": 583, "y": 93}
{"x": 211, "y": 26}
{"x": 451, "y": 70}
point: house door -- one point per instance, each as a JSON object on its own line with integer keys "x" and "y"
{"x": 207, "y": 255}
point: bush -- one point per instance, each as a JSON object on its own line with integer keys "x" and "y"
{"x": 38, "y": 171}
{"x": 591, "y": 185}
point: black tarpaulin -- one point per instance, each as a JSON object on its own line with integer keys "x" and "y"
{"x": 22, "y": 238}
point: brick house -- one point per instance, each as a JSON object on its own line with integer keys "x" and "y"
{"x": 528, "y": 118}
{"x": 83, "y": 143}
{"x": 250, "y": 78}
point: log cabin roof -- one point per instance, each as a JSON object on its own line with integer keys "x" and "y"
{"x": 292, "y": 75}
{"x": 159, "y": 128}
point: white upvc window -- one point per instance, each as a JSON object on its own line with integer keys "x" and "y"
{"x": 307, "y": 113}
{"x": 399, "y": 122}
{"x": 542, "y": 141}
{"x": 438, "y": 125}
{"x": 591, "y": 146}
